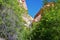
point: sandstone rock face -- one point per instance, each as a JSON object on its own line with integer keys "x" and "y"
{"x": 28, "y": 19}
{"x": 25, "y": 16}
{"x": 23, "y": 2}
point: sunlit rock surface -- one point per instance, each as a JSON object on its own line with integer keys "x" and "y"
{"x": 28, "y": 19}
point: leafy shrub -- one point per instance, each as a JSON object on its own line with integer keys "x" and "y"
{"x": 10, "y": 19}
{"x": 49, "y": 26}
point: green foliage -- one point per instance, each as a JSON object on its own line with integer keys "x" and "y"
{"x": 11, "y": 22}
{"x": 12, "y": 26}
{"x": 49, "y": 26}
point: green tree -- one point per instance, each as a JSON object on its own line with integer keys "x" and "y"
{"x": 49, "y": 26}
{"x": 11, "y": 22}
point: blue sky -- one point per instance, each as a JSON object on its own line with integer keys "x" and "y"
{"x": 34, "y": 6}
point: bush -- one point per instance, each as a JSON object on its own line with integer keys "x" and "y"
{"x": 49, "y": 26}
{"x": 10, "y": 19}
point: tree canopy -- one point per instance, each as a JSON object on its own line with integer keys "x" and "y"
{"x": 12, "y": 25}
